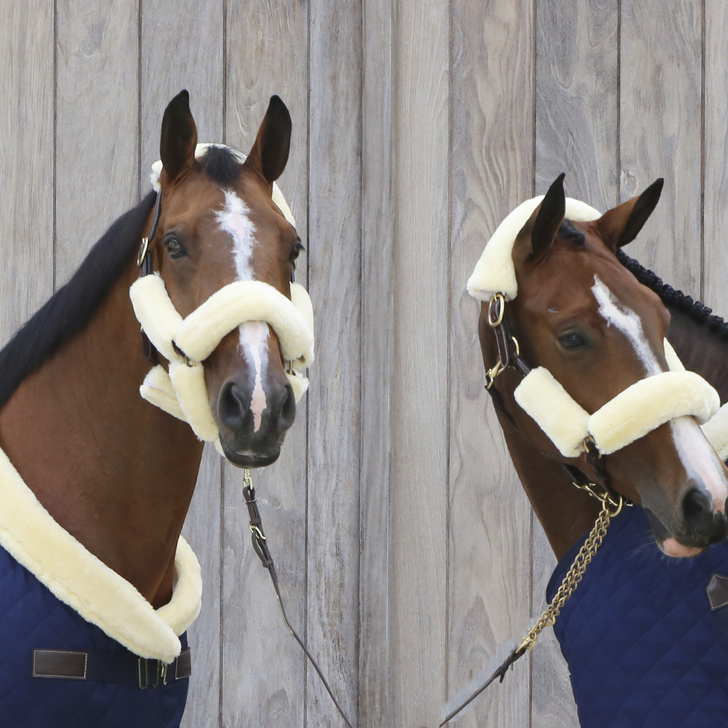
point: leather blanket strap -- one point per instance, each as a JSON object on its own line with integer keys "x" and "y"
{"x": 32, "y": 618}
{"x": 645, "y": 636}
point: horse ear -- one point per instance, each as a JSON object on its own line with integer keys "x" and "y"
{"x": 179, "y": 136}
{"x": 269, "y": 154}
{"x": 549, "y": 216}
{"x": 621, "y": 224}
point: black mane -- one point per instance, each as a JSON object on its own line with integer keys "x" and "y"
{"x": 73, "y": 305}
{"x": 673, "y": 299}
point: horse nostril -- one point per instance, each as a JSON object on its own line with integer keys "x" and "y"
{"x": 697, "y": 509}
{"x": 288, "y": 409}
{"x": 232, "y": 405}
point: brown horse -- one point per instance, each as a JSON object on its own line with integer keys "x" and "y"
{"x": 113, "y": 471}
{"x": 580, "y": 314}
{"x": 644, "y": 636}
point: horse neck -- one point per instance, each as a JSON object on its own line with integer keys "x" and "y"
{"x": 700, "y": 350}
{"x": 114, "y": 471}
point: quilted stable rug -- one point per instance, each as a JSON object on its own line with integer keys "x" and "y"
{"x": 31, "y": 617}
{"x": 644, "y": 645}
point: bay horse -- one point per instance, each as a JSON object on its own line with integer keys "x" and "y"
{"x": 644, "y": 635}
{"x": 98, "y": 588}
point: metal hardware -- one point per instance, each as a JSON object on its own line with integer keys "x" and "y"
{"x": 496, "y": 306}
{"x": 142, "y": 252}
{"x": 143, "y": 684}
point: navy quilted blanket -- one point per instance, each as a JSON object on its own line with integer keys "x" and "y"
{"x": 32, "y": 618}
{"x": 643, "y": 647}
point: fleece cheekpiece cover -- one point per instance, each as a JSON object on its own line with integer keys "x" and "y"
{"x": 633, "y": 413}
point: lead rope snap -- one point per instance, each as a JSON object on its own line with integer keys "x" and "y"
{"x": 260, "y": 545}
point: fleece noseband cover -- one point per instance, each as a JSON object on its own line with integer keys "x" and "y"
{"x": 639, "y": 409}
{"x": 187, "y": 342}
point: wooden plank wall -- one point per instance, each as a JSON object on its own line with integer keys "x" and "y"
{"x": 407, "y": 552}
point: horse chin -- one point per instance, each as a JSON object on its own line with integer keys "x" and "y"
{"x": 668, "y": 544}
{"x": 672, "y": 547}
{"x": 243, "y": 458}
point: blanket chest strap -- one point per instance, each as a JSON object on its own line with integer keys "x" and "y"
{"x": 126, "y": 669}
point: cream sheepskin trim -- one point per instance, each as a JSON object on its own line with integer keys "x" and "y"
{"x": 200, "y": 150}
{"x": 564, "y": 421}
{"x": 236, "y": 303}
{"x": 86, "y": 584}
{"x": 494, "y": 272}
{"x": 716, "y": 431}
{"x": 189, "y": 383}
{"x": 157, "y": 389}
{"x": 299, "y": 384}
{"x": 156, "y": 313}
{"x": 639, "y": 409}
{"x": 673, "y": 360}
{"x": 649, "y": 403}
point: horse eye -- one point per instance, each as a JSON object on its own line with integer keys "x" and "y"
{"x": 175, "y": 248}
{"x": 297, "y": 248}
{"x": 573, "y": 340}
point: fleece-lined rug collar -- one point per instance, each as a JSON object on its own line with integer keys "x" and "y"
{"x": 83, "y": 582}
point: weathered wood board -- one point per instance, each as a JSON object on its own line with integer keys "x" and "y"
{"x": 407, "y": 552}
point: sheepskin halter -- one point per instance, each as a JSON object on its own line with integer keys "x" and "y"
{"x": 186, "y": 343}
{"x": 639, "y": 409}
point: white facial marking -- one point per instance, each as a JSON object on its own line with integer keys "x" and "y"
{"x": 699, "y": 459}
{"x": 253, "y": 335}
{"x": 626, "y": 321}
{"x": 697, "y": 456}
{"x": 234, "y": 220}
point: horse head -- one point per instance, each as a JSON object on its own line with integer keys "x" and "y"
{"x": 595, "y": 332}
{"x": 225, "y": 252}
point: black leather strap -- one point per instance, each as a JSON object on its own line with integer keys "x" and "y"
{"x": 123, "y": 669}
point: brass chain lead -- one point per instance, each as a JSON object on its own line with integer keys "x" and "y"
{"x": 576, "y": 571}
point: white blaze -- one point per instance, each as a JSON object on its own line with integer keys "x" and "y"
{"x": 697, "y": 456}
{"x": 234, "y": 219}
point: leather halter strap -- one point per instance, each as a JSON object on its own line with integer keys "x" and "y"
{"x": 509, "y": 357}
{"x": 145, "y": 260}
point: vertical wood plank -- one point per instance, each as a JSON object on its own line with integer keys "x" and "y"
{"x": 334, "y": 437}
{"x": 377, "y": 343}
{"x": 714, "y": 156}
{"x": 263, "y": 668}
{"x": 420, "y": 377}
{"x": 27, "y": 41}
{"x": 661, "y": 73}
{"x": 490, "y": 521}
{"x": 577, "y": 122}
{"x": 97, "y": 122}
{"x": 174, "y": 37}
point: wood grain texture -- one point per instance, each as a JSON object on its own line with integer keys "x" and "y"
{"x": 174, "y": 37}
{"x": 490, "y": 521}
{"x": 577, "y": 123}
{"x": 334, "y": 435}
{"x": 26, "y": 161}
{"x": 715, "y": 153}
{"x": 263, "y": 668}
{"x": 181, "y": 47}
{"x": 377, "y": 345}
{"x": 660, "y": 113}
{"x": 97, "y": 123}
{"x": 420, "y": 377}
